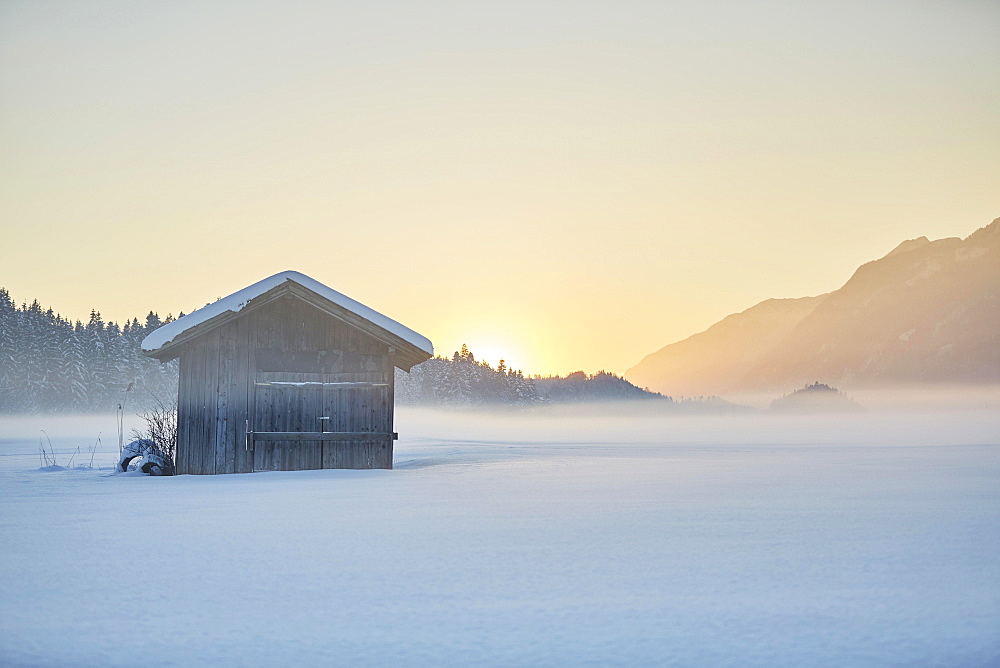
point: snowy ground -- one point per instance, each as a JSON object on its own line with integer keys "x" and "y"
{"x": 549, "y": 540}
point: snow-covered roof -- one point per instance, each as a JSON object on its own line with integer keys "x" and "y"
{"x": 235, "y": 302}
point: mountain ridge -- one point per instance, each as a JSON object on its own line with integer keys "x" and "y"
{"x": 926, "y": 312}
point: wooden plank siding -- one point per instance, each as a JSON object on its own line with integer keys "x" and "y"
{"x": 224, "y": 389}
{"x": 197, "y": 408}
{"x": 208, "y": 401}
{"x": 183, "y": 416}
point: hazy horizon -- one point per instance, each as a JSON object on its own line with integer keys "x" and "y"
{"x": 494, "y": 353}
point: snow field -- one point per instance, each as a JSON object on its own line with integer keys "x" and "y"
{"x": 522, "y": 540}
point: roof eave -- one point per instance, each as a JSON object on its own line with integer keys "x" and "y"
{"x": 406, "y": 354}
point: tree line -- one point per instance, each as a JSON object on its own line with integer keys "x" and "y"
{"x": 464, "y": 381}
{"x": 50, "y": 364}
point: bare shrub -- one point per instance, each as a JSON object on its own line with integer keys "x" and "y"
{"x": 161, "y": 431}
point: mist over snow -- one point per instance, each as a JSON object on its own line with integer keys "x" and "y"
{"x": 513, "y": 539}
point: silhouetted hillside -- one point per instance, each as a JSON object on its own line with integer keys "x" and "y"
{"x": 713, "y": 361}
{"x": 816, "y": 398}
{"x": 927, "y": 312}
{"x": 602, "y": 386}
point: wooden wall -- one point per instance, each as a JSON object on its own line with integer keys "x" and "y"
{"x": 265, "y": 370}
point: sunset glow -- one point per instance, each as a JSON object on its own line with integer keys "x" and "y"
{"x": 564, "y": 186}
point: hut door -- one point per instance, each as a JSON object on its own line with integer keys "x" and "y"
{"x": 296, "y": 402}
{"x": 287, "y": 402}
{"x": 358, "y": 407}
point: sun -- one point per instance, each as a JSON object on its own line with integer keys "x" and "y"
{"x": 492, "y": 348}
{"x": 488, "y": 351}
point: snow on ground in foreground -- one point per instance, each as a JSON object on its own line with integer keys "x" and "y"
{"x": 503, "y": 541}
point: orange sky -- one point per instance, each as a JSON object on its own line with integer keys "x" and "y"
{"x": 573, "y": 185}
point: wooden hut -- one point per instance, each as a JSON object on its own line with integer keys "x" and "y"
{"x": 286, "y": 374}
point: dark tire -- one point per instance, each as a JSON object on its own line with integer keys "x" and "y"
{"x": 152, "y": 469}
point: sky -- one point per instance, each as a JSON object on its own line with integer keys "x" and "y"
{"x": 569, "y": 185}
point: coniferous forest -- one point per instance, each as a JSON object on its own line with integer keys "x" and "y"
{"x": 463, "y": 381}
{"x": 50, "y": 364}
